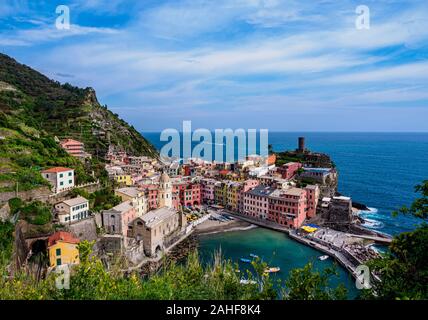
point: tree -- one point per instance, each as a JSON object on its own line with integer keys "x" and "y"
{"x": 419, "y": 207}
{"x": 403, "y": 270}
{"x": 305, "y": 284}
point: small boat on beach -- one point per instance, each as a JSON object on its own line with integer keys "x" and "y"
{"x": 273, "y": 270}
{"x": 322, "y": 258}
{"x": 252, "y": 255}
{"x": 245, "y": 260}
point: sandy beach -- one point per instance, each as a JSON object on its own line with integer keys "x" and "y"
{"x": 211, "y": 226}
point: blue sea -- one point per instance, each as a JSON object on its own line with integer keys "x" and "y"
{"x": 377, "y": 169}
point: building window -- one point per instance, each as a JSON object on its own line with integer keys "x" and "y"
{"x": 61, "y": 175}
{"x": 58, "y": 252}
{"x": 61, "y": 183}
{"x": 70, "y": 181}
{"x": 58, "y": 262}
{"x": 70, "y": 174}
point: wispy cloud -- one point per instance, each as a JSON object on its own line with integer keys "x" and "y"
{"x": 235, "y": 59}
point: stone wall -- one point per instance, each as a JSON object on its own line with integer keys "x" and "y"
{"x": 44, "y": 194}
{"x": 5, "y": 212}
{"x": 84, "y": 230}
{"x": 41, "y": 194}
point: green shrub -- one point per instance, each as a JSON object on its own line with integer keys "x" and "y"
{"x": 36, "y": 213}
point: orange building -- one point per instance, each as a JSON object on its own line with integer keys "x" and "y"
{"x": 271, "y": 159}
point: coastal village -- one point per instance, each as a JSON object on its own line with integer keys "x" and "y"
{"x": 164, "y": 201}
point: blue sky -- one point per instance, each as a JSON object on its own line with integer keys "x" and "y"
{"x": 276, "y": 64}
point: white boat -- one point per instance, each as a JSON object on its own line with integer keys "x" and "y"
{"x": 273, "y": 270}
{"x": 322, "y": 258}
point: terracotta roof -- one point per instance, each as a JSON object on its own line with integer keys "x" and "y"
{"x": 61, "y": 236}
{"x": 56, "y": 170}
{"x": 66, "y": 141}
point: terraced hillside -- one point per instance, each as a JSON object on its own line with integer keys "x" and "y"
{"x": 34, "y": 110}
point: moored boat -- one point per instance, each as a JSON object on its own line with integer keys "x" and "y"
{"x": 245, "y": 260}
{"x": 324, "y": 257}
{"x": 273, "y": 270}
{"x": 252, "y": 255}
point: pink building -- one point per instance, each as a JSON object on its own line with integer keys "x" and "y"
{"x": 74, "y": 148}
{"x": 152, "y": 192}
{"x": 289, "y": 169}
{"x": 190, "y": 196}
{"x": 247, "y": 185}
{"x": 288, "y": 207}
{"x": 312, "y": 194}
{"x": 116, "y": 220}
{"x": 256, "y": 202}
{"x": 207, "y": 190}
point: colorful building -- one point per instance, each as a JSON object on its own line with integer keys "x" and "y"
{"x": 220, "y": 193}
{"x": 190, "y": 195}
{"x": 232, "y": 196}
{"x": 138, "y": 198}
{"x": 256, "y": 202}
{"x": 208, "y": 190}
{"x": 116, "y": 220}
{"x": 289, "y": 169}
{"x": 287, "y": 207}
{"x": 271, "y": 159}
{"x": 62, "y": 249}
{"x": 125, "y": 179}
{"x": 313, "y": 194}
{"x": 74, "y": 148}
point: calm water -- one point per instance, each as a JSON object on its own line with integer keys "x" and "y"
{"x": 275, "y": 248}
{"x": 377, "y": 169}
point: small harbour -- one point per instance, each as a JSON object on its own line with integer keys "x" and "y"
{"x": 275, "y": 248}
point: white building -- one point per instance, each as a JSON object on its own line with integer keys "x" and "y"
{"x": 72, "y": 210}
{"x": 60, "y": 178}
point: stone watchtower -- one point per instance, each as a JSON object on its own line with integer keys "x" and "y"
{"x": 301, "y": 146}
{"x": 165, "y": 191}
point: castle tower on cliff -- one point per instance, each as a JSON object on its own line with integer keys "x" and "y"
{"x": 301, "y": 145}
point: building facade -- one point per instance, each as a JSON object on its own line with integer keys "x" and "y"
{"x": 117, "y": 219}
{"x": 74, "y": 148}
{"x": 288, "y": 170}
{"x": 62, "y": 249}
{"x": 60, "y": 178}
{"x": 72, "y": 210}
{"x": 313, "y": 194}
{"x": 156, "y": 226}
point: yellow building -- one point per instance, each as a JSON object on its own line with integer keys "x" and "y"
{"x": 233, "y": 190}
{"x": 125, "y": 179}
{"x": 62, "y": 247}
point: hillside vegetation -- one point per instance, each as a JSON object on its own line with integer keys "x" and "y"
{"x": 34, "y": 110}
